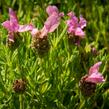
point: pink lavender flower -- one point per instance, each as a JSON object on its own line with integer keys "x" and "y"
{"x": 39, "y": 37}
{"x": 51, "y": 23}
{"x": 88, "y": 82}
{"x": 75, "y": 25}
{"x": 13, "y": 26}
{"x": 94, "y": 75}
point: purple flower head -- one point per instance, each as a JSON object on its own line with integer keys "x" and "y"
{"x": 76, "y": 25}
{"x": 94, "y": 75}
{"x": 51, "y": 23}
{"x": 13, "y": 26}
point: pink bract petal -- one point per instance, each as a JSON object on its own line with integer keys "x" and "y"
{"x": 94, "y": 75}
{"x": 23, "y": 28}
{"x": 39, "y": 33}
{"x": 73, "y": 17}
{"x": 69, "y": 23}
{"x": 52, "y": 22}
{"x": 44, "y": 32}
{"x": 71, "y": 14}
{"x": 71, "y": 30}
{"x": 34, "y": 31}
{"x": 82, "y": 22}
{"x": 10, "y": 26}
{"x": 14, "y": 26}
{"x": 13, "y": 17}
{"x": 95, "y": 78}
{"x": 94, "y": 68}
{"x": 72, "y": 22}
{"x": 61, "y": 14}
{"x": 79, "y": 32}
{"x": 75, "y": 26}
{"x": 11, "y": 36}
{"x": 52, "y": 9}
{"x": 13, "y": 20}
{"x": 6, "y": 25}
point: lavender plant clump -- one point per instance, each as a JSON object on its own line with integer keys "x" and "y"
{"x": 54, "y": 55}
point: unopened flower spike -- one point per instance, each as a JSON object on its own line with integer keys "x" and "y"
{"x": 19, "y": 86}
{"x": 13, "y": 26}
{"x": 89, "y": 81}
{"x": 39, "y": 37}
{"x": 75, "y": 27}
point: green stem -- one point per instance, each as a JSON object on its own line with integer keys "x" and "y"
{"x": 21, "y": 101}
{"x": 60, "y": 37}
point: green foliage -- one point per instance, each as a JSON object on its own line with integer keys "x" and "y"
{"x": 53, "y": 79}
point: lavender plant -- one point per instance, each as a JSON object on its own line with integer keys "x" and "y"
{"x": 55, "y": 80}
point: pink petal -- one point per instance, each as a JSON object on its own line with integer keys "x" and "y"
{"x": 6, "y": 25}
{"x": 61, "y": 14}
{"x": 69, "y": 23}
{"x": 10, "y": 26}
{"x": 52, "y": 9}
{"x": 95, "y": 78}
{"x": 71, "y": 14}
{"x": 71, "y": 30}
{"x": 73, "y": 21}
{"x": 23, "y": 28}
{"x": 79, "y": 32}
{"x": 44, "y": 32}
{"x": 39, "y": 33}
{"x": 34, "y": 31}
{"x": 52, "y": 22}
{"x": 13, "y": 20}
{"x": 82, "y": 22}
{"x": 95, "y": 68}
{"x": 13, "y": 17}
{"x": 14, "y": 26}
{"x": 11, "y": 36}
{"x": 73, "y": 17}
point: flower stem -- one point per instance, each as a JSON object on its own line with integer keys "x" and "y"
{"x": 60, "y": 36}
{"x": 21, "y": 101}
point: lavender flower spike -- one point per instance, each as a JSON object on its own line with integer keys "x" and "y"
{"x": 94, "y": 75}
{"x": 75, "y": 25}
{"x": 88, "y": 82}
{"x": 13, "y": 26}
{"x": 40, "y": 37}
